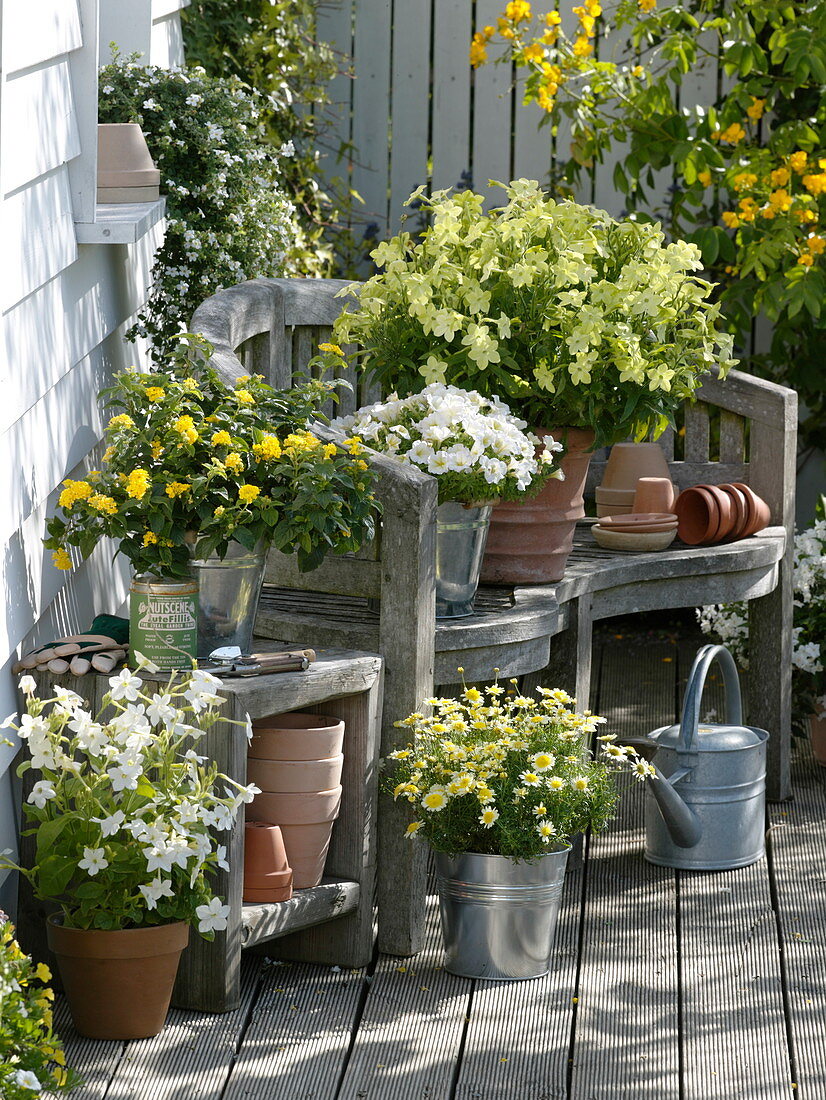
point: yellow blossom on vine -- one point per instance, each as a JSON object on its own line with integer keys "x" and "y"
{"x": 332, "y": 348}
{"x": 756, "y": 109}
{"x": 157, "y": 448}
{"x": 732, "y": 134}
{"x": 248, "y": 493}
{"x": 780, "y": 177}
{"x": 582, "y": 47}
{"x": 102, "y": 503}
{"x": 638, "y": 71}
{"x": 190, "y": 385}
{"x": 122, "y": 420}
{"x": 553, "y": 19}
{"x": 816, "y": 244}
{"x": 244, "y": 397}
{"x": 518, "y": 11}
{"x": 797, "y": 161}
{"x": 647, "y": 5}
{"x": 137, "y": 484}
{"x": 75, "y": 490}
{"x": 176, "y": 488}
{"x": 704, "y": 178}
{"x": 807, "y": 259}
{"x": 815, "y": 184}
{"x": 234, "y": 462}
{"x": 505, "y": 29}
{"x": 534, "y": 52}
{"x": 748, "y": 209}
{"x": 805, "y": 217}
{"x": 731, "y": 219}
{"x": 221, "y": 439}
{"x": 780, "y": 201}
{"x": 61, "y": 560}
{"x": 150, "y": 538}
{"x": 219, "y": 511}
{"x": 478, "y": 50}
{"x": 154, "y": 393}
{"x": 744, "y": 180}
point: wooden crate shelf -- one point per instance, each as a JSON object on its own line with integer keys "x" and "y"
{"x": 335, "y": 897}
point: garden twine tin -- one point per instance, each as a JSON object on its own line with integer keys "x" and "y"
{"x": 163, "y": 621}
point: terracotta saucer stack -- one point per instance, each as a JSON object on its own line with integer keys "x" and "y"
{"x": 710, "y": 514}
{"x": 638, "y": 531}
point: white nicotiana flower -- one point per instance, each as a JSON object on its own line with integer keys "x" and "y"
{"x": 41, "y": 793}
{"x": 94, "y": 860}
{"x": 27, "y": 685}
{"x": 212, "y": 917}
{"x": 155, "y": 890}
{"x": 125, "y": 686}
{"x": 26, "y": 1079}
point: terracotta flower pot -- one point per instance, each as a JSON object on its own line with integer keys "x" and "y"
{"x": 740, "y": 511}
{"x": 530, "y": 542}
{"x": 118, "y": 984}
{"x": 126, "y": 172}
{"x": 306, "y": 822}
{"x": 817, "y": 736}
{"x": 628, "y": 462}
{"x": 759, "y": 513}
{"x": 267, "y": 874}
{"x": 296, "y": 737}
{"x": 654, "y": 494}
{"x": 699, "y": 516}
{"x": 296, "y": 775}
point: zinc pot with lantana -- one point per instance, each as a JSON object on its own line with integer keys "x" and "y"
{"x": 591, "y": 329}
{"x": 478, "y": 452}
{"x": 123, "y": 814}
{"x": 199, "y": 478}
{"x": 498, "y": 784}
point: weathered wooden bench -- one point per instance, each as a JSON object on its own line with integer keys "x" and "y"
{"x": 273, "y": 327}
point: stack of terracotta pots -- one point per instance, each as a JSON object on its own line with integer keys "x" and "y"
{"x": 626, "y": 465}
{"x": 296, "y": 760}
{"x": 720, "y": 513}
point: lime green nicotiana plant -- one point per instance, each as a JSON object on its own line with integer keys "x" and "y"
{"x": 572, "y": 317}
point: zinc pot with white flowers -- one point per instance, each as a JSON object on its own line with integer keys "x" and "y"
{"x": 123, "y": 817}
{"x": 478, "y": 452}
{"x": 589, "y": 328}
{"x": 499, "y": 783}
{"x": 200, "y": 477}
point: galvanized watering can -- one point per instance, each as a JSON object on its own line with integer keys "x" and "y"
{"x": 705, "y": 809}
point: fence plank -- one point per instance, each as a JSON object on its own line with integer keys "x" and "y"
{"x": 334, "y": 25}
{"x": 452, "y": 26}
{"x": 411, "y": 105}
{"x": 371, "y": 113}
{"x": 492, "y": 105}
{"x": 532, "y": 146}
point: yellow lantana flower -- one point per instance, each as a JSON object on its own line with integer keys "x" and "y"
{"x": 137, "y": 484}
{"x": 756, "y": 109}
{"x": 244, "y": 397}
{"x": 176, "y": 488}
{"x": 221, "y": 439}
{"x": 647, "y": 5}
{"x": 248, "y": 493}
{"x": 75, "y": 490}
{"x": 478, "y": 50}
{"x": 268, "y": 447}
{"x": 234, "y": 462}
{"x": 103, "y": 503}
{"x": 150, "y": 538}
{"x": 122, "y": 420}
{"x": 798, "y": 161}
{"x": 154, "y": 393}
{"x": 61, "y": 560}
{"x": 518, "y": 11}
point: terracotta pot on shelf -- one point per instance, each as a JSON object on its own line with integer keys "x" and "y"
{"x": 759, "y": 513}
{"x": 740, "y": 511}
{"x": 817, "y": 737}
{"x": 119, "y": 983}
{"x": 530, "y": 542}
{"x": 699, "y": 516}
{"x": 126, "y": 172}
{"x": 296, "y": 760}
{"x": 268, "y": 876}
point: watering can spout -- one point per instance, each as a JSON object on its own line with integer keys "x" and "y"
{"x": 682, "y": 823}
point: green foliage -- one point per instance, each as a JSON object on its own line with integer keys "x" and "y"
{"x": 271, "y": 46}
{"x": 572, "y": 318}
{"x": 748, "y": 162}
{"x": 227, "y": 217}
{"x": 194, "y": 463}
{"x": 31, "y": 1055}
{"x": 503, "y": 774}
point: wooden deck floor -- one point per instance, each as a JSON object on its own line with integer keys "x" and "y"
{"x": 665, "y": 985}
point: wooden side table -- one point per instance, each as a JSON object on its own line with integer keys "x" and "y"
{"x": 342, "y": 683}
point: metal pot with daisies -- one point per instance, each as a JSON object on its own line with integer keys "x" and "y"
{"x": 125, "y": 815}
{"x": 478, "y": 452}
{"x": 499, "y": 783}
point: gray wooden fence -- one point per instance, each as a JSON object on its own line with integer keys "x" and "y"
{"x": 414, "y": 112}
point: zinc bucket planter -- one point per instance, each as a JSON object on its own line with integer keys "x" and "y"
{"x": 530, "y": 542}
{"x": 296, "y": 760}
{"x": 119, "y": 983}
{"x": 499, "y": 915}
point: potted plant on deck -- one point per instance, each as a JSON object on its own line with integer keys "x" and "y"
{"x": 122, "y": 814}
{"x": 589, "y": 328}
{"x": 499, "y": 783}
{"x": 200, "y": 472}
{"x": 478, "y": 453}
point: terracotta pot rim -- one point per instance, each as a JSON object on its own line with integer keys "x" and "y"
{"x": 712, "y": 520}
{"x": 116, "y": 943}
{"x": 297, "y": 720}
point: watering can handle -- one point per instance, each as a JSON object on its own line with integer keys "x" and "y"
{"x": 690, "y": 720}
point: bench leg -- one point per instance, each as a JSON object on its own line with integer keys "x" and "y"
{"x": 770, "y": 680}
{"x": 569, "y": 666}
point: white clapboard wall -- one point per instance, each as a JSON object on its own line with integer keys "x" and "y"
{"x": 63, "y": 307}
{"x": 413, "y": 112}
